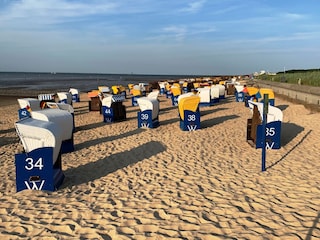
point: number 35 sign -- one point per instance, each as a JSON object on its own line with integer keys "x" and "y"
{"x": 273, "y": 135}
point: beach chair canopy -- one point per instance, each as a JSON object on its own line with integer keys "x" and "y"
{"x": 62, "y": 106}
{"x": 190, "y": 103}
{"x": 204, "y": 94}
{"x": 46, "y": 97}
{"x": 252, "y": 90}
{"x": 274, "y": 113}
{"x": 36, "y": 134}
{"x": 152, "y": 104}
{"x": 65, "y": 96}
{"x": 176, "y": 90}
{"x": 162, "y": 84}
{"x": 222, "y": 89}
{"x": 184, "y": 95}
{"x": 93, "y": 93}
{"x": 239, "y": 88}
{"x": 143, "y": 86}
{"x": 136, "y": 91}
{"x": 63, "y": 119}
{"x": 154, "y": 94}
{"x": 268, "y": 91}
{"x": 107, "y": 100}
{"x": 214, "y": 91}
{"x": 168, "y": 86}
{"x": 32, "y": 104}
{"x": 73, "y": 91}
{"x": 104, "y": 89}
{"x": 115, "y": 89}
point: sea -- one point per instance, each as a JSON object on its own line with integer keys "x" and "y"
{"x": 82, "y": 81}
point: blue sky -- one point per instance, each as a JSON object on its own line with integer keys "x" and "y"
{"x": 207, "y": 37}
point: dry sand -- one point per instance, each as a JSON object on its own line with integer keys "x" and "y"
{"x": 128, "y": 183}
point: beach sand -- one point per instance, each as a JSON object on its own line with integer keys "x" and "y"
{"x": 124, "y": 182}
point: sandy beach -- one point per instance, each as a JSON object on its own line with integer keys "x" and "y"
{"x": 124, "y": 182}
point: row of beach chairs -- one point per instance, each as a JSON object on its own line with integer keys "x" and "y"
{"x": 46, "y": 131}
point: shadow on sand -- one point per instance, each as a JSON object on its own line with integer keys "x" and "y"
{"x": 289, "y": 131}
{"x": 294, "y": 147}
{"x": 95, "y": 170}
{"x": 214, "y": 121}
{"x": 314, "y": 227}
{"x": 106, "y": 139}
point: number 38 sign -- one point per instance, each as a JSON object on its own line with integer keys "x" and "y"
{"x": 273, "y": 135}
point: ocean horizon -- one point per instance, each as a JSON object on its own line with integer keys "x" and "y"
{"x": 81, "y": 81}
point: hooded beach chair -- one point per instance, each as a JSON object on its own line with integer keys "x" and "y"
{"x": 253, "y": 94}
{"x": 64, "y": 97}
{"x": 189, "y": 113}
{"x": 95, "y": 100}
{"x": 239, "y": 93}
{"x": 176, "y": 92}
{"x": 113, "y": 109}
{"x": 148, "y": 117}
{"x": 168, "y": 90}
{"x": 222, "y": 91}
{"x": 162, "y": 87}
{"x": 205, "y": 96}
{"x": 137, "y": 93}
{"x": 75, "y": 94}
{"x": 255, "y": 129}
{"x": 39, "y": 167}
{"x": 214, "y": 93}
{"x": 27, "y": 105}
{"x": 104, "y": 89}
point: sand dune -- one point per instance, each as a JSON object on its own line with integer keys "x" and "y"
{"x": 128, "y": 183}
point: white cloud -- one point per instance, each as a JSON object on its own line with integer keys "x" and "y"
{"x": 293, "y": 16}
{"x": 194, "y": 6}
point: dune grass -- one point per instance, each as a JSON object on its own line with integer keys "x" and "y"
{"x": 307, "y": 77}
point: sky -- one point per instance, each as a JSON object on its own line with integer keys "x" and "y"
{"x": 198, "y": 37}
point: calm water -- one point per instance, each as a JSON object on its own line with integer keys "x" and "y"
{"x": 83, "y": 82}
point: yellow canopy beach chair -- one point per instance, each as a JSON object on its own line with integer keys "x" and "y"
{"x": 188, "y": 103}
